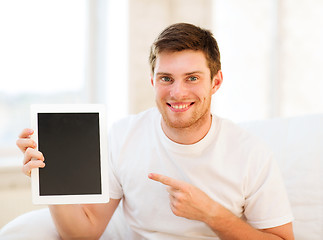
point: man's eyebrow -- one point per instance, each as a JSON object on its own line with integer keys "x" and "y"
{"x": 169, "y": 74}
{"x": 194, "y": 72}
{"x": 163, "y": 73}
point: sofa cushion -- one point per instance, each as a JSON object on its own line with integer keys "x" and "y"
{"x": 298, "y": 146}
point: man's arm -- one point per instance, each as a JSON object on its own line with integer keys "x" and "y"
{"x": 227, "y": 226}
{"x": 86, "y": 221}
{"x": 192, "y": 203}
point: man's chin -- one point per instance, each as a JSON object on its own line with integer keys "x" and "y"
{"x": 179, "y": 124}
{"x": 179, "y": 120}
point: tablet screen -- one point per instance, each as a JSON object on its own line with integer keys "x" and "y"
{"x": 70, "y": 143}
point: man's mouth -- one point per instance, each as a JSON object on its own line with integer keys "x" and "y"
{"x": 180, "y": 107}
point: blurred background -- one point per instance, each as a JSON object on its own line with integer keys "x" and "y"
{"x": 96, "y": 51}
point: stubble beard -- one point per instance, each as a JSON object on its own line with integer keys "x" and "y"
{"x": 197, "y": 119}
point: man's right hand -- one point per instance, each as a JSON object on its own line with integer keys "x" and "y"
{"x": 32, "y": 157}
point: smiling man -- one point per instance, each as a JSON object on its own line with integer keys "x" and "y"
{"x": 182, "y": 171}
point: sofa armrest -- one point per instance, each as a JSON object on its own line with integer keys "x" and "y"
{"x": 34, "y": 225}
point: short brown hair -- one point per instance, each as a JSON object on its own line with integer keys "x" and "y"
{"x": 184, "y": 36}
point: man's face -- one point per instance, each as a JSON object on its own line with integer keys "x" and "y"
{"x": 183, "y": 88}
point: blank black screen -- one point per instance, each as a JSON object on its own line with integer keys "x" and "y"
{"x": 70, "y": 143}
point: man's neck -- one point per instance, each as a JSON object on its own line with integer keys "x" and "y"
{"x": 189, "y": 135}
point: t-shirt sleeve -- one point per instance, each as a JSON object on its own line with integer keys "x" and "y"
{"x": 115, "y": 187}
{"x": 267, "y": 203}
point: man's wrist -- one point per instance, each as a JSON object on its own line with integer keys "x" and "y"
{"x": 219, "y": 218}
{"x": 213, "y": 214}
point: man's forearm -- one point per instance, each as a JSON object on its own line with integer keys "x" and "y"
{"x": 229, "y": 227}
{"x": 190, "y": 202}
{"x": 87, "y": 221}
{"x": 71, "y": 221}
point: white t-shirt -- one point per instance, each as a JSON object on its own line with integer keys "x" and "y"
{"x": 229, "y": 165}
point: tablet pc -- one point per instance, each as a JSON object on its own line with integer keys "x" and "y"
{"x": 73, "y": 140}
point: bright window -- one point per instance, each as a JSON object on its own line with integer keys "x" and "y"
{"x": 43, "y": 50}
{"x": 271, "y": 54}
{"x": 59, "y": 51}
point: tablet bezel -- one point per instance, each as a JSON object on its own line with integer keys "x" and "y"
{"x": 72, "y": 199}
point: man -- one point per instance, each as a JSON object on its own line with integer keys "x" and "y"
{"x": 182, "y": 172}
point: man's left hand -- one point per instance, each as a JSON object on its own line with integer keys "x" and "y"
{"x": 187, "y": 200}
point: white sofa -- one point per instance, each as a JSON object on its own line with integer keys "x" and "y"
{"x": 298, "y": 145}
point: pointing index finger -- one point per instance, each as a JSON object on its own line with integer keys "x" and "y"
{"x": 165, "y": 180}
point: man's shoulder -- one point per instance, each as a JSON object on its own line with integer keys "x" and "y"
{"x": 145, "y": 119}
{"x": 231, "y": 129}
{"x": 237, "y": 135}
{"x": 144, "y": 116}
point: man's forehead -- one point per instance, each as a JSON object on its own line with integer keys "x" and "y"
{"x": 187, "y": 61}
{"x": 182, "y": 52}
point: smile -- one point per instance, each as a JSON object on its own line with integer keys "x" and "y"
{"x": 180, "y": 106}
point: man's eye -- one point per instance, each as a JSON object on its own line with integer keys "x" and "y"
{"x": 166, "y": 79}
{"x": 192, "y": 78}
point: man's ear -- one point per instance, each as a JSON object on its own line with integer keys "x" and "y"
{"x": 152, "y": 79}
{"x": 217, "y": 81}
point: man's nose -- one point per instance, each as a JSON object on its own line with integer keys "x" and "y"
{"x": 178, "y": 89}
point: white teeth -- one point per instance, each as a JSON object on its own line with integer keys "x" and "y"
{"x": 180, "y": 106}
